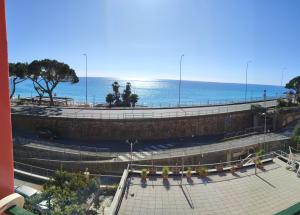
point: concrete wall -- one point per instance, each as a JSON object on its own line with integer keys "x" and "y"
{"x": 285, "y": 116}
{"x": 108, "y": 167}
{"x": 137, "y": 128}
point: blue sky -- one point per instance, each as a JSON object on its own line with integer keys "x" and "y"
{"x": 143, "y": 39}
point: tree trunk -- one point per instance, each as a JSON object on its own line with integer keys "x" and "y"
{"x": 13, "y": 88}
{"x": 51, "y": 98}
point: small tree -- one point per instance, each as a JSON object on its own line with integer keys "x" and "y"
{"x": 126, "y": 95}
{"x": 294, "y": 85}
{"x": 40, "y": 92}
{"x": 116, "y": 87}
{"x": 18, "y": 73}
{"x": 47, "y": 74}
{"x": 110, "y": 99}
{"x": 134, "y": 99}
{"x": 69, "y": 193}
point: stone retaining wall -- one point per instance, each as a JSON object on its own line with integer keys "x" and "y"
{"x": 142, "y": 129}
{"x": 108, "y": 167}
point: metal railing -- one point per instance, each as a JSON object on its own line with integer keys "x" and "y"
{"x": 133, "y": 113}
{"x": 159, "y": 168}
{"x": 186, "y": 103}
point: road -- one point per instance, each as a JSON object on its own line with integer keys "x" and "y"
{"x": 135, "y": 113}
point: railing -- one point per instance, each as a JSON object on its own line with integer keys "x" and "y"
{"x": 34, "y": 170}
{"x": 53, "y": 150}
{"x": 246, "y": 131}
{"x": 132, "y": 113}
{"x": 208, "y": 102}
{"x": 225, "y": 165}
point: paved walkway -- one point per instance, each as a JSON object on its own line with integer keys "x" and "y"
{"x": 134, "y": 113}
{"x": 268, "y": 192}
{"x": 157, "y": 151}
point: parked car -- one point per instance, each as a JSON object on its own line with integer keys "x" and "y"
{"x": 29, "y": 192}
{"x": 47, "y": 134}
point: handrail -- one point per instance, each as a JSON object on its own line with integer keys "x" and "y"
{"x": 198, "y": 165}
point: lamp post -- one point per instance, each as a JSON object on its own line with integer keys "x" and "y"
{"x": 85, "y": 78}
{"x": 282, "y": 71}
{"x": 247, "y": 79}
{"x": 265, "y": 125}
{"x": 180, "y": 80}
{"x": 131, "y": 143}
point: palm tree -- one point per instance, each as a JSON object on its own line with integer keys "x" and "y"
{"x": 134, "y": 99}
{"x": 110, "y": 99}
{"x": 116, "y": 87}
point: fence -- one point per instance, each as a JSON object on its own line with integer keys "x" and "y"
{"x": 135, "y": 113}
{"x": 43, "y": 149}
{"x": 181, "y": 166}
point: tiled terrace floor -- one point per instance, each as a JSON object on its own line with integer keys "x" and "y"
{"x": 268, "y": 192}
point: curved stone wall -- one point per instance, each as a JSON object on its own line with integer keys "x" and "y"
{"x": 146, "y": 129}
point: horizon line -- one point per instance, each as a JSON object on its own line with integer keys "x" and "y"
{"x": 166, "y": 79}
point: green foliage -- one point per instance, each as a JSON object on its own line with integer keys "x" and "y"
{"x": 259, "y": 152}
{"x": 165, "y": 171}
{"x": 202, "y": 171}
{"x": 18, "y": 73}
{"x": 126, "y": 95}
{"x": 69, "y": 192}
{"x": 258, "y": 108}
{"x": 47, "y": 74}
{"x": 116, "y": 87}
{"x": 128, "y": 99}
{"x": 189, "y": 171}
{"x": 134, "y": 99}
{"x": 282, "y": 103}
{"x": 144, "y": 173}
{"x": 296, "y": 134}
{"x": 109, "y": 99}
{"x": 294, "y": 84}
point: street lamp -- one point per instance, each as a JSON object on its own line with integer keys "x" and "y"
{"x": 265, "y": 125}
{"x": 85, "y": 78}
{"x": 247, "y": 79}
{"x": 131, "y": 143}
{"x": 180, "y": 80}
{"x": 282, "y": 71}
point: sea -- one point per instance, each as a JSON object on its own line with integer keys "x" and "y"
{"x": 160, "y": 92}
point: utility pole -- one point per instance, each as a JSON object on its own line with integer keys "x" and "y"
{"x": 179, "y": 96}
{"x": 85, "y": 78}
{"x": 265, "y": 97}
{"x": 131, "y": 143}
{"x": 282, "y": 71}
{"x": 247, "y": 80}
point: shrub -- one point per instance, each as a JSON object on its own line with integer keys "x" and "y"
{"x": 202, "y": 171}
{"x": 144, "y": 173}
{"x": 165, "y": 171}
{"x": 282, "y": 103}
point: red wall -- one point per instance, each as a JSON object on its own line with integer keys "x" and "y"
{"x": 6, "y": 150}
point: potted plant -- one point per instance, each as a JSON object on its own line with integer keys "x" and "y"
{"x": 258, "y": 163}
{"x": 189, "y": 172}
{"x": 144, "y": 174}
{"x": 219, "y": 168}
{"x": 233, "y": 169}
{"x": 202, "y": 171}
{"x": 152, "y": 170}
{"x": 239, "y": 165}
{"x": 165, "y": 172}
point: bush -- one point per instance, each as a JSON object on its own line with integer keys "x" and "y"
{"x": 144, "y": 173}
{"x": 165, "y": 171}
{"x": 202, "y": 171}
{"x": 296, "y": 134}
{"x": 282, "y": 103}
{"x": 258, "y": 108}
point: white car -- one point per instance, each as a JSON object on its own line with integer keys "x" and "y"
{"x": 28, "y": 192}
